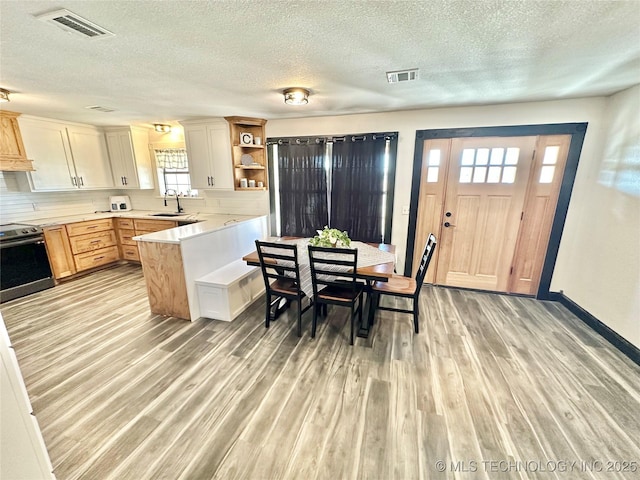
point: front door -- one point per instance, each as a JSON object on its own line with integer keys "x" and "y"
{"x": 484, "y": 201}
{"x": 490, "y": 201}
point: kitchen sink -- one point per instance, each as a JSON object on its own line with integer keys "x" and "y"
{"x": 166, "y": 214}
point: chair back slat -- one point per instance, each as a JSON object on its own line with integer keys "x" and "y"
{"x": 278, "y": 261}
{"x": 333, "y": 266}
{"x": 429, "y": 248}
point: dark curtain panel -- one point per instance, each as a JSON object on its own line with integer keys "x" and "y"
{"x": 303, "y": 189}
{"x": 357, "y": 187}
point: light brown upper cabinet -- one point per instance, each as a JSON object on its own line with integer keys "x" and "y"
{"x": 12, "y": 153}
{"x": 248, "y": 153}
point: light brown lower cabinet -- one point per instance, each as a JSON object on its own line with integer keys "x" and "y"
{"x": 80, "y": 246}
{"x": 97, "y": 258}
{"x": 129, "y": 228}
{"x": 59, "y": 251}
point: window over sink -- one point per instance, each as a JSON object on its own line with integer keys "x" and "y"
{"x": 173, "y": 171}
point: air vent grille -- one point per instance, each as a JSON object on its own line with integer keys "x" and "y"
{"x": 98, "y": 108}
{"x": 402, "y": 75}
{"x": 70, "y": 22}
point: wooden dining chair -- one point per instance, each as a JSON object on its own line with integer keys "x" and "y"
{"x": 405, "y": 287}
{"x": 281, "y": 274}
{"x": 344, "y": 291}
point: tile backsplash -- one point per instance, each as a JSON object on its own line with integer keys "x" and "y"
{"x": 18, "y": 204}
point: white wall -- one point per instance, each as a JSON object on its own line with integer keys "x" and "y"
{"x": 407, "y": 122}
{"x": 598, "y": 263}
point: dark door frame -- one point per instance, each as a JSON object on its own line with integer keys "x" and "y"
{"x": 577, "y": 132}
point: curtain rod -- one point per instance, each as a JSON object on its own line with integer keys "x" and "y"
{"x": 360, "y": 137}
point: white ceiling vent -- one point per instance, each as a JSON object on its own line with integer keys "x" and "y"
{"x": 402, "y": 75}
{"x": 98, "y": 108}
{"x": 72, "y": 23}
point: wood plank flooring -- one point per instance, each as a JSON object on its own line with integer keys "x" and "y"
{"x": 493, "y": 386}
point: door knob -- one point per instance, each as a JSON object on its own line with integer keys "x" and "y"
{"x": 447, "y": 224}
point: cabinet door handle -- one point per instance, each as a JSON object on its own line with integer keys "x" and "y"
{"x": 74, "y": 181}
{"x": 81, "y": 182}
{"x": 95, "y": 259}
{"x": 125, "y": 180}
{"x": 213, "y": 182}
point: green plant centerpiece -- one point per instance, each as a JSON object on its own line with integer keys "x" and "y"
{"x": 330, "y": 237}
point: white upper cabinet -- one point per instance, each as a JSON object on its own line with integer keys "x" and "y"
{"x": 47, "y": 144}
{"x": 65, "y": 157}
{"x": 209, "y": 153}
{"x": 130, "y": 159}
{"x": 90, "y": 157}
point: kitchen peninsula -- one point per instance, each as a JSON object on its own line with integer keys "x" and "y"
{"x": 174, "y": 260}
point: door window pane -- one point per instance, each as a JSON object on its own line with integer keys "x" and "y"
{"x": 546, "y": 173}
{"x": 494, "y": 175}
{"x": 468, "y": 155}
{"x": 482, "y": 158}
{"x": 509, "y": 175}
{"x": 432, "y": 174}
{"x": 512, "y": 156}
{"x": 496, "y": 156}
{"x": 551, "y": 155}
{"x": 434, "y": 158}
{"x": 465, "y": 174}
{"x": 479, "y": 174}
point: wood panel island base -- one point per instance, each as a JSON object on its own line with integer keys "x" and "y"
{"x": 177, "y": 262}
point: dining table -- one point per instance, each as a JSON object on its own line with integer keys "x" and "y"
{"x": 376, "y": 262}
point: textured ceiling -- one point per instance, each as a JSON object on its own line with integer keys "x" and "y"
{"x": 173, "y": 60}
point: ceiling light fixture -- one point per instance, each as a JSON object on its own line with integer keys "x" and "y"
{"x": 4, "y": 95}
{"x": 296, "y": 96}
{"x": 161, "y": 128}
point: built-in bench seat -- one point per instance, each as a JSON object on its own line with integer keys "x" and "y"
{"x": 228, "y": 291}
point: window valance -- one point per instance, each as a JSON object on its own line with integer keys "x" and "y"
{"x": 172, "y": 158}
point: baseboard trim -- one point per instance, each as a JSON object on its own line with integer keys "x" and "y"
{"x": 626, "y": 347}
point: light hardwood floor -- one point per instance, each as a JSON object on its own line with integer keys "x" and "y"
{"x": 489, "y": 382}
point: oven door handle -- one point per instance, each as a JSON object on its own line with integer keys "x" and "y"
{"x": 17, "y": 243}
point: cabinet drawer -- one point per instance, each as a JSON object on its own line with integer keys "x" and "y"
{"x": 91, "y": 226}
{"x": 125, "y": 237}
{"x": 148, "y": 226}
{"x": 130, "y": 253}
{"x": 93, "y": 241}
{"x": 123, "y": 223}
{"x": 107, "y": 255}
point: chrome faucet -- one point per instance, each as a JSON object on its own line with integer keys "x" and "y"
{"x": 171, "y": 191}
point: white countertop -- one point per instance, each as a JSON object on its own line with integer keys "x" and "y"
{"x": 206, "y": 222}
{"x": 209, "y": 224}
{"x": 146, "y": 214}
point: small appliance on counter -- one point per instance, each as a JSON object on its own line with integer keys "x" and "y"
{"x": 120, "y": 203}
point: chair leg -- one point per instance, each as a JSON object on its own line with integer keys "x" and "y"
{"x": 267, "y": 316}
{"x": 353, "y": 315}
{"x": 416, "y": 314}
{"x": 316, "y": 307}
{"x": 299, "y": 317}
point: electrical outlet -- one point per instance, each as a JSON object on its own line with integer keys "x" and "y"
{"x": 405, "y": 210}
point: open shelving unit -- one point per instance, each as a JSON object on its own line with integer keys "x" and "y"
{"x": 257, "y": 170}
